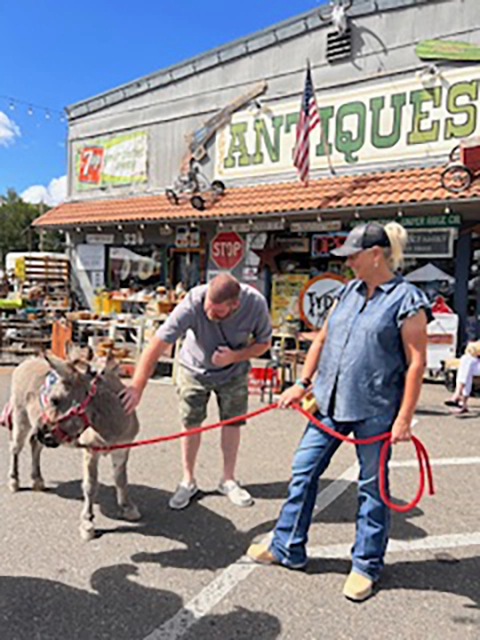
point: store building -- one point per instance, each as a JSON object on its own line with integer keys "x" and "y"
{"x": 390, "y": 117}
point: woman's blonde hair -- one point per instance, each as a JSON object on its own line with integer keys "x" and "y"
{"x": 398, "y": 237}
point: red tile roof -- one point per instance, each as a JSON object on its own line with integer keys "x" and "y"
{"x": 337, "y": 192}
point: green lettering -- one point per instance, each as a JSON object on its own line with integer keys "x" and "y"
{"x": 238, "y": 144}
{"x": 273, "y": 149}
{"x": 397, "y": 102}
{"x": 345, "y": 141}
{"x": 417, "y": 98}
{"x": 326, "y": 113}
{"x": 469, "y": 125}
{"x": 291, "y": 121}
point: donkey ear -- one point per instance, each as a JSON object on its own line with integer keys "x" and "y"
{"x": 110, "y": 364}
{"x": 64, "y": 368}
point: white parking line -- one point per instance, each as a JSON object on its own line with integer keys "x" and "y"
{"x": 202, "y": 604}
{"x": 450, "y": 541}
{"x": 213, "y": 593}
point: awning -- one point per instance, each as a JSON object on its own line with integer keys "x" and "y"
{"x": 327, "y": 194}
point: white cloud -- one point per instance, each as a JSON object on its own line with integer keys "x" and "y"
{"x": 54, "y": 194}
{"x": 9, "y": 130}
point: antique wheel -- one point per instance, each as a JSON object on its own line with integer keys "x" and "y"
{"x": 197, "y": 202}
{"x": 172, "y": 196}
{"x": 456, "y": 178}
{"x": 455, "y": 154}
{"x": 218, "y": 187}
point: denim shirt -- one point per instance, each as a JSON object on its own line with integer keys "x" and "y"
{"x": 361, "y": 373}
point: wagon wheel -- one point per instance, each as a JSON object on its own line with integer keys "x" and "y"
{"x": 171, "y": 196}
{"x": 455, "y": 154}
{"x": 456, "y": 178}
{"x": 218, "y": 187}
{"x": 197, "y": 202}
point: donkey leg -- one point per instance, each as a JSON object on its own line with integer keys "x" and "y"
{"x": 20, "y": 429}
{"x": 90, "y": 486}
{"x": 37, "y": 480}
{"x": 128, "y": 510}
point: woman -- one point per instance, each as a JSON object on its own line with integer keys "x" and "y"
{"x": 369, "y": 357}
{"x": 469, "y": 367}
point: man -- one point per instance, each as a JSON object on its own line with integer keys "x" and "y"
{"x": 225, "y": 323}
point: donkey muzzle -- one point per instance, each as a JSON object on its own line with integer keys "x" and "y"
{"x": 47, "y": 438}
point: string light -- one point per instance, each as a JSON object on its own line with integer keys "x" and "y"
{"x": 31, "y": 109}
{"x": 447, "y": 211}
{"x": 319, "y": 218}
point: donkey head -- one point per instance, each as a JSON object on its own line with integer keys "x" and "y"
{"x": 68, "y": 388}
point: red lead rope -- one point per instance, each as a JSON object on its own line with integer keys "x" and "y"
{"x": 422, "y": 457}
{"x": 422, "y": 454}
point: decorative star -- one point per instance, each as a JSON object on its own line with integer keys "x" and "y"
{"x": 267, "y": 257}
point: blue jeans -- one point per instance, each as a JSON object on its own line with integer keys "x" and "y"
{"x": 373, "y": 517}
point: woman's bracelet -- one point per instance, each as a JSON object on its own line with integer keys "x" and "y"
{"x": 303, "y": 382}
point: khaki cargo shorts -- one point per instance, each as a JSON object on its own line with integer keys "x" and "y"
{"x": 232, "y": 398}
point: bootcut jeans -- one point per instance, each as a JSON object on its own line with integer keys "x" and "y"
{"x": 312, "y": 457}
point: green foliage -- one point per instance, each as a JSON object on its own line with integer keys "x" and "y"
{"x": 16, "y": 232}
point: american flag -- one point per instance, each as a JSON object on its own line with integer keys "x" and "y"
{"x": 307, "y": 122}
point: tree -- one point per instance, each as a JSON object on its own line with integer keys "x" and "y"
{"x": 16, "y": 231}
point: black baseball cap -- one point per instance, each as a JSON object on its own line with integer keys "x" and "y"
{"x": 363, "y": 237}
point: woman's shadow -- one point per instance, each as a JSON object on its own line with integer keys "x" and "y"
{"x": 118, "y": 607}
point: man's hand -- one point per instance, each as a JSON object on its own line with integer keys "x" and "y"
{"x": 130, "y": 397}
{"x": 401, "y": 431}
{"x": 223, "y": 356}
{"x": 293, "y": 394}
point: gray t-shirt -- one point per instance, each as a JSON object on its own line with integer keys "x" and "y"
{"x": 204, "y": 336}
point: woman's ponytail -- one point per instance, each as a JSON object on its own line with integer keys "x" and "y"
{"x": 398, "y": 237}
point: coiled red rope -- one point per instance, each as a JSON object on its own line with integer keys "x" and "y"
{"x": 424, "y": 465}
{"x": 421, "y": 452}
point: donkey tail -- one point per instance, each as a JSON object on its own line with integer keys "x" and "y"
{"x": 6, "y": 416}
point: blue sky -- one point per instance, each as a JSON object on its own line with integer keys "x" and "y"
{"x": 53, "y": 54}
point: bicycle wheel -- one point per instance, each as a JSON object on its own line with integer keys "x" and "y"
{"x": 456, "y": 178}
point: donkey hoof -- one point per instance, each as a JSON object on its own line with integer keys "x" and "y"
{"x": 87, "y": 531}
{"x": 38, "y": 485}
{"x": 13, "y": 485}
{"x": 131, "y": 513}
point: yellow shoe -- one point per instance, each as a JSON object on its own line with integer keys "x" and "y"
{"x": 357, "y": 587}
{"x": 261, "y": 554}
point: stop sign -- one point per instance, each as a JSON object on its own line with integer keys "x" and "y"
{"x": 227, "y": 249}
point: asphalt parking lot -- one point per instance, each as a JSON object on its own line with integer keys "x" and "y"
{"x": 184, "y": 574}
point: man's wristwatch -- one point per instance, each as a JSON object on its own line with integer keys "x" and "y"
{"x": 303, "y": 382}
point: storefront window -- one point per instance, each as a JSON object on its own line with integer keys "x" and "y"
{"x": 137, "y": 267}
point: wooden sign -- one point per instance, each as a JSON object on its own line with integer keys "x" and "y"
{"x": 448, "y": 50}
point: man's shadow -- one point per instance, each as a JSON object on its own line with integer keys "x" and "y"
{"x": 119, "y": 607}
{"x": 208, "y": 540}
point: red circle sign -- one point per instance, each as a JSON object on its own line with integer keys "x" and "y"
{"x": 227, "y": 249}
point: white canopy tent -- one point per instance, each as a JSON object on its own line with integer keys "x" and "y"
{"x": 429, "y": 273}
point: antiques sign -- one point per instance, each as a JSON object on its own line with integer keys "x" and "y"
{"x": 366, "y": 126}
{"x": 111, "y": 160}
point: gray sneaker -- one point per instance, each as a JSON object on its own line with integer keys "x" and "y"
{"x": 182, "y": 496}
{"x": 235, "y": 493}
